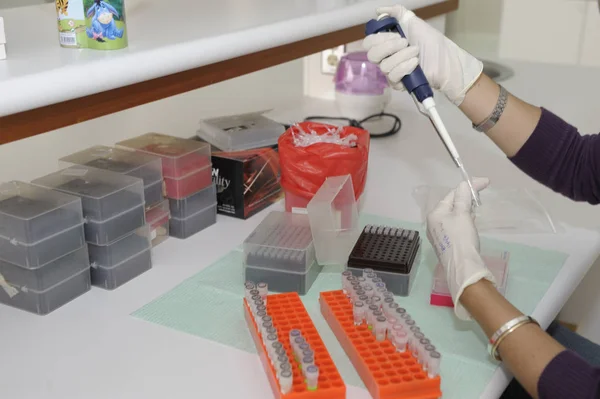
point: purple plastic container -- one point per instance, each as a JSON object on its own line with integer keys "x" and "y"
{"x": 357, "y": 75}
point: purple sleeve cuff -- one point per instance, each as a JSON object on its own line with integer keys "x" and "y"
{"x": 569, "y": 376}
{"x": 557, "y": 156}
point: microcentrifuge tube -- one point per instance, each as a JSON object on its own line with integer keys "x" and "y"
{"x": 312, "y": 377}
{"x": 263, "y": 290}
{"x": 294, "y": 333}
{"x": 363, "y": 298}
{"x": 271, "y": 331}
{"x": 367, "y": 271}
{"x": 264, "y": 326}
{"x": 391, "y": 323}
{"x": 358, "y": 311}
{"x": 433, "y": 364}
{"x": 369, "y": 291}
{"x": 286, "y": 381}
{"x": 375, "y": 281}
{"x": 248, "y": 286}
{"x": 370, "y": 318}
{"x": 254, "y": 292}
{"x": 301, "y": 348}
{"x": 421, "y": 351}
{"x": 274, "y": 348}
{"x": 345, "y": 276}
{"x": 392, "y": 309}
{"x": 414, "y": 343}
{"x": 282, "y": 359}
{"x": 400, "y": 340}
{"x": 380, "y": 285}
{"x": 361, "y": 280}
{"x": 415, "y": 329}
{"x": 307, "y": 361}
{"x": 308, "y": 352}
{"x": 296, "y": 344}
{"x": 284, "y": 367}
{"x": 260, "y": 314}
{"x": 269, "y": 340}
{"x": 376, "y": 300}
{"x": 380, "y": 328}
{"x": 346, "y": 284}
{"x": 388, "y": 294}
{"x": 408, "y": 323}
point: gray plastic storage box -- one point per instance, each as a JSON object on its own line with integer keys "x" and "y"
{"x": 113, "y": 204}
{"x": 119, "y": 262}
{"x": 183, "y": 208}
{"x": 38, "y": 225}
{"x": 284, "y": 281}
{"x": 48, "y": 275}
{"x": 184, "y": 228}
{"x": 281, "y": 250}
{"x": 45, "y": 301}
{"x": 130, "y": 163}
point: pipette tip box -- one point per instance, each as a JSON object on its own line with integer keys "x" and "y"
{"x": 113, "y": 204}
{"x": 393, "y": 253}
{"x": 287, "y": 313}
{"x": 333, "y": 216}
{"x": 119, "y": 262}
{"x": 186, "y": 163}
{"x": 280, "y": 251}
{"x": 157, "y": 218}
{"x": 144, "y": 166}
{"x": 38, "y": 225}
{"x": 398, "y": 370}
{"x": 195, "y": 223}
{"x": 498, "y": 264}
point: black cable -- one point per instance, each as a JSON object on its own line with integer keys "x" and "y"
{"x": 359, "y": 124}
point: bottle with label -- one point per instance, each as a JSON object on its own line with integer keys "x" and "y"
{"x": 71, "y": 23}
{"x": 105, "y": 24}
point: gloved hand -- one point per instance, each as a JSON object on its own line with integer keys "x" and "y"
{"x": 452, "y": 233}
{"x": 448, "y": 68}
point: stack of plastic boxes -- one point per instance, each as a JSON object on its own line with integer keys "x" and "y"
{"x": 143, "y": 166}
{"x": 43, "y": 258}
{"x": 280, "y": 252}
{"x": 187, "y": 170}
{"x": 115, "y": 227}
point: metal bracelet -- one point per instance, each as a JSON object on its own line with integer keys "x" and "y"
{"x": 504, "y": 331}
{"x": 494, "y": 117}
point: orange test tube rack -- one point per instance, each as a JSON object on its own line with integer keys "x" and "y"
{"x": 386, "y": 373}
{"x": 288, "y": 312}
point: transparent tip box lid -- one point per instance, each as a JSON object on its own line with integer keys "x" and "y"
{"x": 240, "y": 132}
{"x": 131, "y": 163}
{"x": 103, "y": 194}
{"x": 180, "y": 157}
{"x": 30, "y": 214}
{"x": 282, "y": 241}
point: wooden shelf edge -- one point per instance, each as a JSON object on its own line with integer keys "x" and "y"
{"x": 44, "y": 119}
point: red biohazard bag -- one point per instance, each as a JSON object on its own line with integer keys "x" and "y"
{"x": 309, "y": 152}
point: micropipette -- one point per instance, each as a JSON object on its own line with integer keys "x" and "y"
{"x": 417, "y": 85}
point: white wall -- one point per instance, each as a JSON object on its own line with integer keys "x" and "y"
{"x": 179, "y": 115}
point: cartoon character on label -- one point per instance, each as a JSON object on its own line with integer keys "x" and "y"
{"x": 103, "y": 22}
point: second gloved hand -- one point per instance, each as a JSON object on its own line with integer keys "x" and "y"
{"x": 448, "y": 67}
{"x": 452, "y": 233}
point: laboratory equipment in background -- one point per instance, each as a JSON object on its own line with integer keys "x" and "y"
{"x": 496, "y": 263}
{"x": 281, "y": 252}
{"x": 391, "y": 252}
{"x": 417, "y": 85}
{"x": 43, "y": 257}
{"x": 310, "y": 152}
{"x": 187, "y": 171}
{"x": 333, "y": 216}
{"x": 144, "y": 166}
{"x": 240, "y": 132}
{"x": 97, "y": 24}
{"x": 2, "y": 40}
{"x": 387, "y": 348}
{"x": 361, "y": 89}
{"x": 114, "y": 210}
{"x": 291, "y": 351}
{"x": 247, "y": 181}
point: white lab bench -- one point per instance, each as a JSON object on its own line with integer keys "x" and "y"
{"x": 92, "y": 348}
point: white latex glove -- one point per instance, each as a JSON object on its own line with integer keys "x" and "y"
{"x": 452, "y": 233}
{"x": 448, "y": 68}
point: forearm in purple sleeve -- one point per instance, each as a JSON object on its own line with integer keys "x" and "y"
{"x": 560, "y": 158}
{"x": 569, "y": 376}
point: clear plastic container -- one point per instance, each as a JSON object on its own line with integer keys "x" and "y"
{"x": 240, "y": 132}
{"x": 186, "y": 163}
{"x": 157, "y": 218}
{"x": 184, "y": 228}
{"x": 48, "y": 275}
{"x": 130, "y": 163}
{"x": 38, "y": 225}
{"x": 497, "y": 263}
{"x": 392, "y": 252}
{"x": 117, "y": 263}
{"x": 333, "y": 216}
{"x": 282, "y": 241}
{"x": 113, "y": 204}
{"x": 182, "y": 208}
{"x": 284, "y": 281}
{"x": 45, "y": 301}
{"x": 154, "y": 193}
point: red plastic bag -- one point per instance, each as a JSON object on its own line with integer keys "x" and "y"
{"x": 304, "y": 169}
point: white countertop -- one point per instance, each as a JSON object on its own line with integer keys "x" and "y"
{"x": 92, "y": 349}
{"x": 39, "y": 72}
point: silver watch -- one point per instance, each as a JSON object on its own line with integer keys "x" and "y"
{"x": 491, "y": 120}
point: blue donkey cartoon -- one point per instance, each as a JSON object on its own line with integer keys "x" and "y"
{"x": 103, "y": 23}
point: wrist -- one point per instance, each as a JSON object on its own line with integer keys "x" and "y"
{"x": 480, "y": 99}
